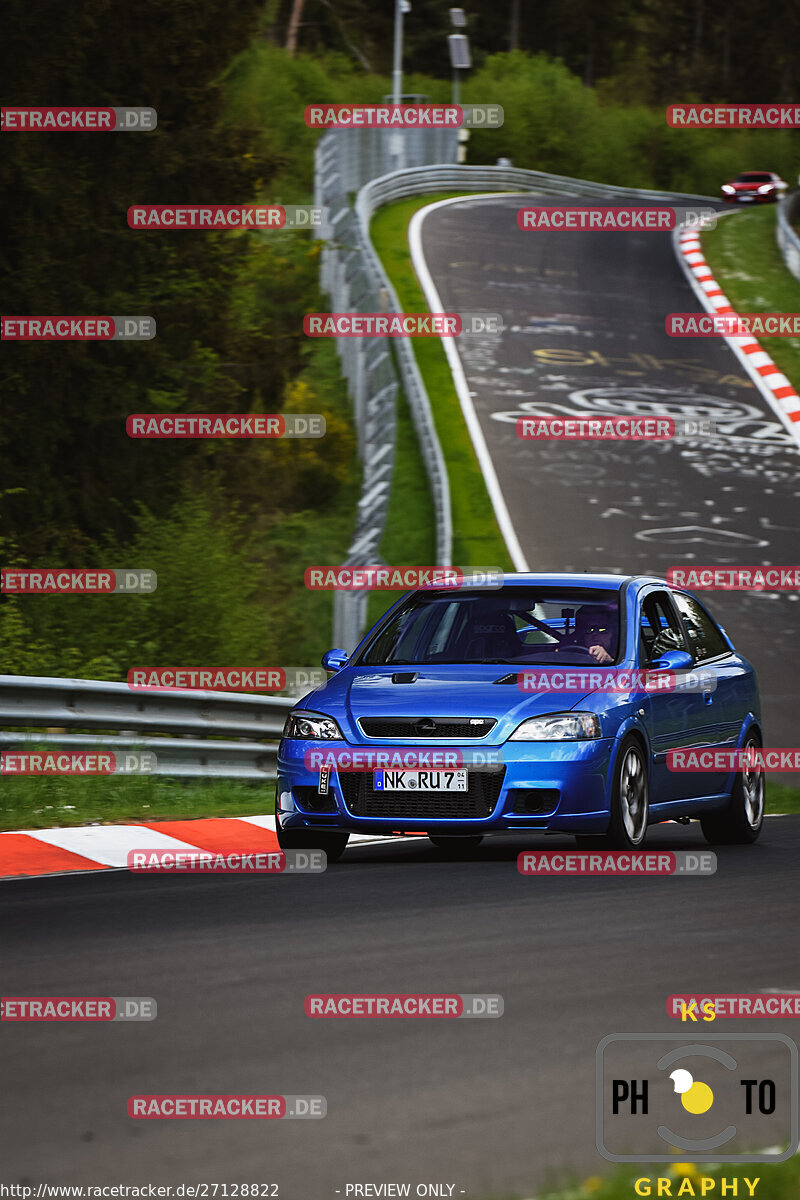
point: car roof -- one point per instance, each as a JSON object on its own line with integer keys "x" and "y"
{"x": 584, "y": 579}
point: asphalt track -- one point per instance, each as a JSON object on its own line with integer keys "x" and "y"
{"x": 584, "y": 332}
{"x": 492, "y": 1106}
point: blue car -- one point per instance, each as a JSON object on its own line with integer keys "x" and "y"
{"x": 450, "y": 667}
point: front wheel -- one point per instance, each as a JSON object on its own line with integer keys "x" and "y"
{"x": 739, "y": 823}
{"x": 311, "y": 839}
{"x": 630, "y": 804}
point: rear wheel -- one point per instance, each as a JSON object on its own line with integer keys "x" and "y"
{"x": 739, "y": 823}
{"x": 630, "y": 804}
{"x": 312, "y": 839}
{"x": 453, "y": 845}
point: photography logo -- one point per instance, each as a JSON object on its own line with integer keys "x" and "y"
{"x": 663, "y": 1099}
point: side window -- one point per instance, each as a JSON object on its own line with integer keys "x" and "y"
{"x": 705, "y": 639}
{"x": 659, "y": 628}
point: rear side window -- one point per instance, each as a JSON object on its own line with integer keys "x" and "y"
{"x": 705, "y": 638}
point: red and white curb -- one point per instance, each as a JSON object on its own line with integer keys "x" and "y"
{"x": 31, "y": 852}
{"x": 773, "y": 385}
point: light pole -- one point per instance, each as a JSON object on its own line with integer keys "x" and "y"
{"x": 401, "y": 7}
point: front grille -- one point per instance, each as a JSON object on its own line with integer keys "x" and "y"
{"x": 532, "y": 802}
{"x": 440, "y": 727}
{"x": 473, "y": 805}
{"x": 309, "y": 800}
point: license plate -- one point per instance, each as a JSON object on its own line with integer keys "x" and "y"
{"x": 420, "y": 781}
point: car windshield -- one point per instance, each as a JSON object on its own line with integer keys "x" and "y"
{"x": 754, "y": 177}
{"x": 515, "y": 625}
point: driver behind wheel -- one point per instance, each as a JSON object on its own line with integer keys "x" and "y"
{"x": 596, "y": 629}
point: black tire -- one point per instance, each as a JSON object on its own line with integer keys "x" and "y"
{"x": 740, "y": 822}
{"x": 311, "y": 839}
{"x": 453, "y": 845}
{"x": 630, "y": 803}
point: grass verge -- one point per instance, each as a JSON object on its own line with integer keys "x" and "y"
{"x": 782, "y": 799}
{"x": 477, "y": 540}
{"x": 747, "y": 264}
{"x": 51, "y": 801}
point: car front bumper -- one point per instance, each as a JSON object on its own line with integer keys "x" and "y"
{"x": 750, "y": 198}
{"x": 555, "y": 786}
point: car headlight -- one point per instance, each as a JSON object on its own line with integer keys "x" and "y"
{"x": 312, "y": 727}
{"x": 726, "y": 187}
{"x": 558, "y": 727}
{"x": 766, "y": 187}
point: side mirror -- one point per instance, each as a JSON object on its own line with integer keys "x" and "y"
{"x": 673, "y": 660}
{"x": 334, "y": 660}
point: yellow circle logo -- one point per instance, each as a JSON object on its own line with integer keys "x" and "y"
{"x": 696, "y": 1098}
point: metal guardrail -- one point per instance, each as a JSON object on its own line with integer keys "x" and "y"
{"x": 447, "y": 177}
{"x": 787, "y": 239}
{"x": 369, "y": 199}
{"x": 353, "y": 276}
{"x": 85, "y": 704}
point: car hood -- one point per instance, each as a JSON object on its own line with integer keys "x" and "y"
{"x": 444, "y": 691}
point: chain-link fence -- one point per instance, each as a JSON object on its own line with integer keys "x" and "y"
{"x": 354, "y": 281}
